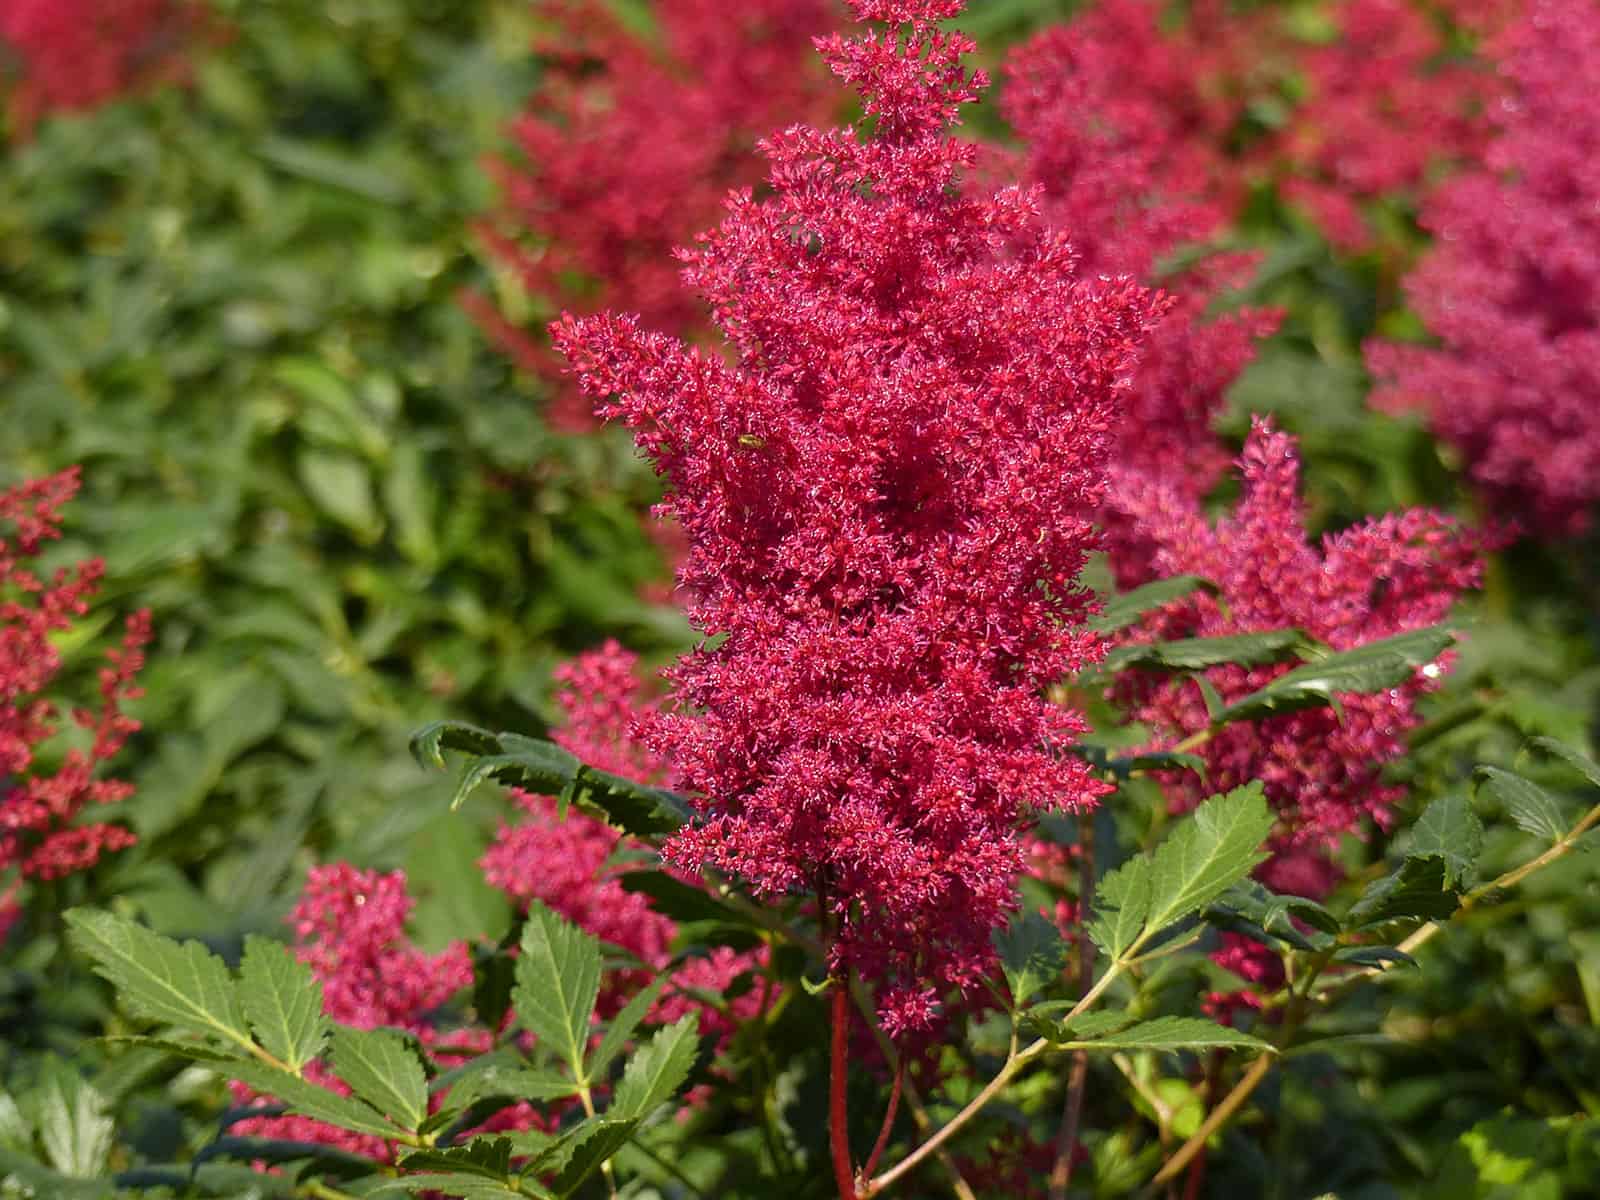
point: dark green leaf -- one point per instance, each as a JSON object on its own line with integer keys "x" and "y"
{"x": 1372, "y": 956}
{"x": 1171, "y": 1034}
{"x": 1189, "y": 654}
{"x": 1032, "y": 953}
{"x": 486, "y": 1157}
{"x": 1123, "y": 610}
{"x": 585, "y": 1147}
{"x": 1582, "y": 763}
{"x": 1533, "y": 809}
{"x": 1449, "y": 830}
{"x": 309, "y": 1100}
{"x": 1419, "y": 890}
{"x": 1370, "y": 668}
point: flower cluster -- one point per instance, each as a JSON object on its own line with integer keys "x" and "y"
{"x": 42, "y": 833}
{"x": 1122, "y": 125}
{"x": 77, "y": 54}
{"x": 887, "y": 499}
{"x": 1386, "y": 105}
{"x": 1322, "y": 770}
{"x": 1511, "y": 287}
{"x": 628, "y": 148}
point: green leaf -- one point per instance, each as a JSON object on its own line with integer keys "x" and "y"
{"x": 341, "y": 487}
{"x": 309, "y": 1100}
{"x": 1121, "y": 611}
{"x": 1172, "y": 1034}
{"x": 1372, "y": 956}
{"x": 657, "y": 1069}
{"x": 547, "y": 769}
{"x": 1216, "y": 846}
{"x": 461, "y": 1185}
{"x": 1032, "y": 953}
{"x": 681, "y": 901}
{"x": 1582, "y": 763}
{"x": 1370, "y": 668}
{"x": 487, "y": 1158}
{"x": 73, "y": 1122}
{"x": 1121, "y": 904}
{"x": 429, "y": 743}
{"x": 159, "y": 979}
{"x": 499, "y": 1082}
{"x": 558, "y": 979}
{"x": 1189, "y": 654}
{"x": 1419, "y": 890}
{"x": 622, "y": 1026}
{"x": 1250, "y": 908}
{"x": 1449, "y": 830}
{"x": 1150, "y": 760}
{"x": 1087, "y": 1026}
{"x": 585, "y": 1147}
{"x": 1533, "y": 809}
{"x": 382, "y": 1069}
{"x": 283, "y": 1001}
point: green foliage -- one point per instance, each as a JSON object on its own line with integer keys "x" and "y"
{"x": 1032, "y": 953}
{"x": 546, "y": 769}
{"x": 558, "y": 981}
{"x": 235, "y": 305}
{"x": 1369, "y": 668}
{"x": 1204, "y": 856}
{"x": 558, "y": 978}
{"x": 283, "y": 1001}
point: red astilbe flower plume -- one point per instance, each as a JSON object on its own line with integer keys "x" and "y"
{"x": 887, "y": 497}
{"x": 1122, "y": 125}
{"x": 1511, "y": 287}
{"x": 628, "y": 147}
{"x": 1386, "y": 105}
{"x": 42, "y": 831}
{"x": 1322, "y": 771}
{"x": 77, "y": 54}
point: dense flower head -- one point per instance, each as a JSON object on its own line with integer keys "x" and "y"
{"x": 1122, "y": 124}
{"x": 1386, "y": 105}
{"x": 75, "y": 54}
{"x": 1122, "y": 135}
{"x": 628, "y": 147}
{"x": 887, "y": 496}
{"x": 1511, "y": 287}
{"x": 42, "y": 831}
{"x": 350, "y": 929}
{"x": 1322, "y": 769}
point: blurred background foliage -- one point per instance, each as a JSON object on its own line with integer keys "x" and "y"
{"x": 235, "y": 304}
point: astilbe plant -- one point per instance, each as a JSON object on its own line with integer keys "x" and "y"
{"x": 349, "y": 925}
{"x": 627, "y": 149}
{"x": 1511, "y": 288}
{"x": 45, "y": 826}
{"x": 1322, "y": 769}
{"x": 350, "y": 928}
{"x": 77, "y": 54}
{"x": 566, "y": 861}
{"x": 887, "y": 498}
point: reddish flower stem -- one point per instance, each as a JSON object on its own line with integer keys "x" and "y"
{"x": 838, "y": 1117}
{"x": 888, "y": 1121}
